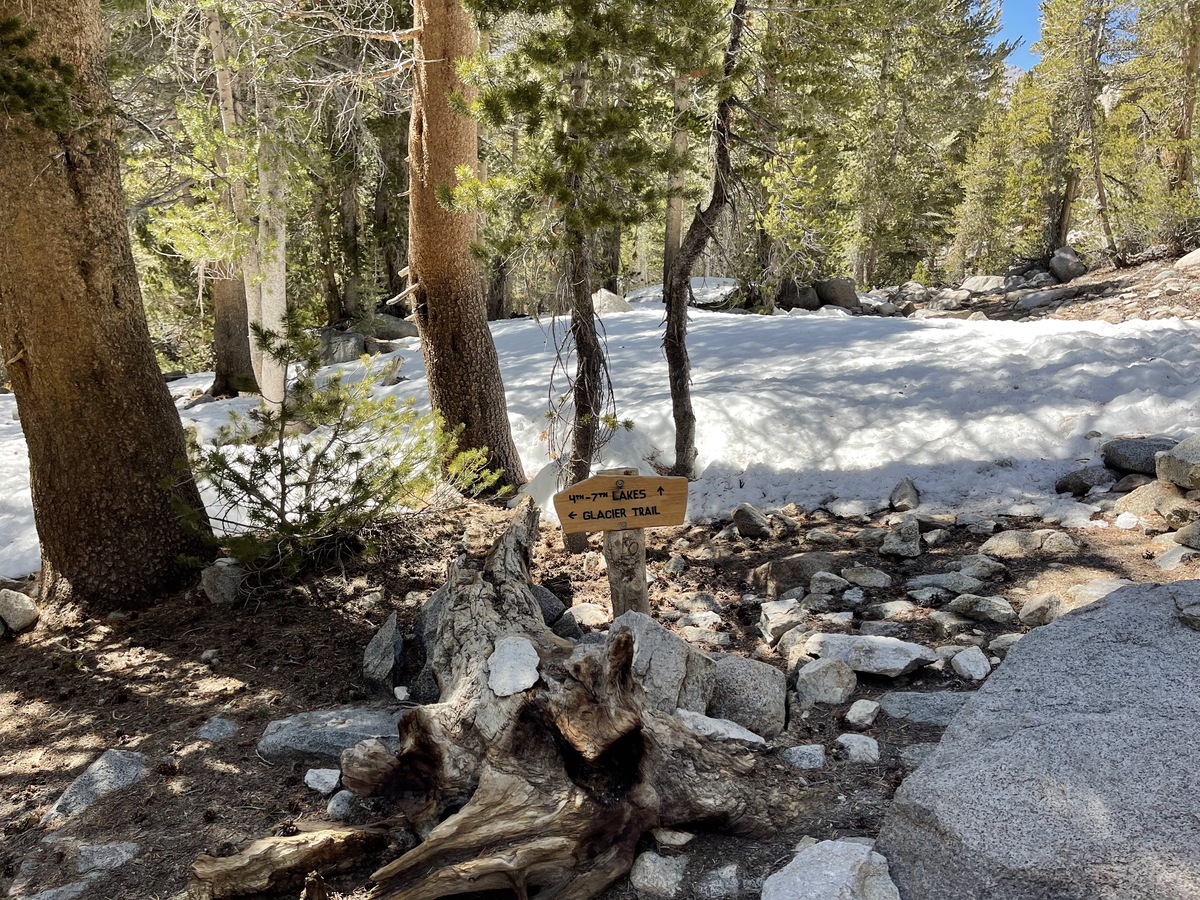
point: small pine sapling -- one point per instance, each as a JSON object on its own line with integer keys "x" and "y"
{"x": 294, "y": 482}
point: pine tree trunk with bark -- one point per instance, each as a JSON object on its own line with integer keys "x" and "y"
{"x": 465, "y": 386}
{"x": 700, "y": 231}
{"x": 104, "y": 437}
{"x": 231, "y": 336}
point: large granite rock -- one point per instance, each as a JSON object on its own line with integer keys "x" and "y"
{"x": 1181, "y": 464}
{"x": 837, "y": 292}
{"x": 751, "y": 693}
{"x": 113, "y": 771}
{"x": 871, "y": 654}
{"x": 1135, "y": 454}
{"x": 318, "y": 738}
{"x": 1066, "y": 265}
{"x": 674, "y": 674}
{"x": 1071, "y": 773}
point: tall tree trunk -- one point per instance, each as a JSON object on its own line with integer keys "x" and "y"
{"x": 498, "y": 290}
{"x": 676, "y": 176}
{"x": 102, "y": 432}
{"x": 330, "y": 289}
{"x": 1063, "y": 213}
{"x": 465, "y": 386}
{"x": 390, "y": 212}
{"x": 1183, "y": 174}
{"x": 231, "y": 336}
{"x": 348, "y": 232}
{"x": 266, "y": 297}
{"x": 610, "y": 259}
{"x": 589, "y": 355}
{"x": 263, "y": 269}
{"x": 679, "y": 370}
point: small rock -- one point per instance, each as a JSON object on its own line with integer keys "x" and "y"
{"x": 893, "y": 609}
{"x": 321, "y": 736}
{"x": 513, "y": 666}
{"x": 665, "y": 837}
{"x": 658, "y": 876}
{"x": 217, "y": 729}
{"x": 222, "y": 581}
{"x": 1042, "y": 610}
{"x": 17, "y": 610}
{"x": 551, "y": 606}
{"x": 859, "y": 748}
{"x": 905, "y": 540}
{"x": 905, "y": 496}
{"x": 675, "y": 566}
{"x": 980, "y": 566}
{"x": 1012, "y": 544}
{"x": 719, "y": 884}
{"x": 826, "y": 681}
{"x": 210, "y": 656}
{"x": 750, "y": 522}
{"x": 805, "y": 756}
{"x": 1091, "y": 591}
{"x": 872, "y": 538}
{"x": 935, "y": 538}
{"x": 1080, "y": 482}
{"x": 873, "y": 655}
{"x": 984, "y": 609}
{"x": 867, "y": 577}
{"x": 827, "y": 583}
{"x": 1175, "y": 557}
{"x": 718, "y": 729}
{"x": 1004, "y": 642}
{"x": 383, "y": 658}
{"x": 777, "y": 617}
{"x": 751, "y": 693}
{"x": 697, "y": 602}
{"x": 323, "y": 781}
{"x": 952, "y": 582}
{"x": 1189, "y": 536}
{"x": 1131, "y": 483}
{"x": 971, "y": 664}
{"x": 862, "y": 713}
{"x": 853, "y": 596}
{"x": 345, "y": 806}
{"x": 946, "y": 624}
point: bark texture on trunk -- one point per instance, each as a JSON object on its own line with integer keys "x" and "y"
{"x": 676, "y": 289}
{"x": 1183, "y": 173}
{"x": 231, "y": 337}
{"x": 102, "y": 432}
{"x": 465, "y": 386}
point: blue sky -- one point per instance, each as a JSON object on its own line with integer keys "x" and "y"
{"x": 1020, "y": 18}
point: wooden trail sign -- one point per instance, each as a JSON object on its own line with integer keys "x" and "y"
{"x": 622, "y": 503}
{"x": 618, "y": 502}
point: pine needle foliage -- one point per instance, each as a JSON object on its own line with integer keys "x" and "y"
{"x": 32, "y": 89}
{"x": 296, "y": 483}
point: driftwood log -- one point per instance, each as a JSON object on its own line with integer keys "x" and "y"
{"x": 546, "y": 792}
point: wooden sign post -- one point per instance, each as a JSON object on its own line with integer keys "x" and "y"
{"x": 622, "y": 504}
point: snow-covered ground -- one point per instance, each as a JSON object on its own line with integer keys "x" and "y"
{"x": 984, "y": 416}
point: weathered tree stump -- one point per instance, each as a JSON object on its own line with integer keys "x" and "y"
{"x": 546, "y": 791}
